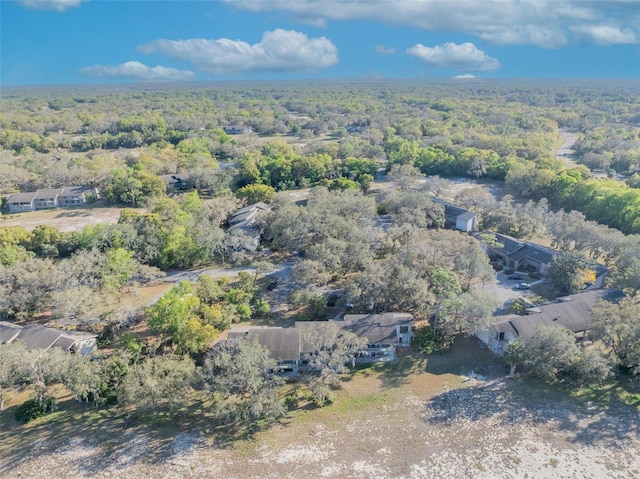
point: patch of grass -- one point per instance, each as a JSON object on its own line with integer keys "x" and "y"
{"x": 607, "y": 395}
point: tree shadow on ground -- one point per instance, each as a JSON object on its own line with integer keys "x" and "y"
{"x": 509, "y": 403}
{"x": 95, "y": 439}
{"x": 465, "y": 357}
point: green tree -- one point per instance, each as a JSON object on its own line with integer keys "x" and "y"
{"x": 256, "y": 193}
{"x": 551, "y": 351}
{"x": 514, "y": 355}
{"x": 242, "y": 378}
{"x": 617, "y": 325}
{"x": 156, "y": 380}
{"x": 569, "y": 272}
{"x": 332, "y": 352}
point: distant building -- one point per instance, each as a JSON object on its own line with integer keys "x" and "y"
{"x": 35, "y": 336}
{"x": 458, "y": 218}
{"x": 48, "y": 198}
{"x": 177, "y": 181}
{"x": 236, "y": 129}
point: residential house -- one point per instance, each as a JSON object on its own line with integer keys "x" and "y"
{"x": 46, "y": 198}
{"x": 283, "y": 345}
{"x": 177, "y": 181}
{"x": 384, "y": 332}
{"x": 236, "y": 129}
{"x": 245, "y": 221}
{"x": 571, "y": 312}
{"x": 75, "y": 195}
{"x": 20, "y": 202}
{"x": 458, "y": 218}
{"x": 521, "y": 255}
{"x": 35, "y": 336}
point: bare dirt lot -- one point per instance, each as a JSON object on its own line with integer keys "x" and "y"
{"x": 447, "y": 416}
{"x": 73, "y": 219}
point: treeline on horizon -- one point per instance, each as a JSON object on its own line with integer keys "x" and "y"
{"x": 336, "y": 134}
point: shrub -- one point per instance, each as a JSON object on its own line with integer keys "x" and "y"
{"x": 33, "y": 409}
{"x": 426, "y": 342}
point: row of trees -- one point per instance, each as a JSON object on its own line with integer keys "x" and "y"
{"x": 237, "y": 378}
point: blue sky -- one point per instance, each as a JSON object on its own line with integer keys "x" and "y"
{"x": 92, "y": 41}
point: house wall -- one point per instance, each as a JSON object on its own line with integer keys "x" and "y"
{"x": 468, "y": 225}
{"x": 20, "y": 207}
{"x": 377, "y": 353}
{"x": 86, "y": 347}
{"x": 404, "y": 333}
{"x": 497, "y": 345}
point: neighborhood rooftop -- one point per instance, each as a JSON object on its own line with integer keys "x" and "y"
{"x": 572, "y": 312}
{"x": 35, "y": 336}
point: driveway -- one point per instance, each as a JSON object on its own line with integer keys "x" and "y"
{"x": 502, "y": 289}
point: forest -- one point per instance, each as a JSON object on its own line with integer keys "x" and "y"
{"x": 366, "y": 159}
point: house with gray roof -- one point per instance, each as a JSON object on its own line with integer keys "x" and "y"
{"x": 245, "y": 221}
{"x": 458, "y": 218}
{"x": 20, "y": 202}
{"x": 36, "y": 336}
{"x": 571, "y": 312}
{"x": 48, "y": 198}
{"x": 520, "y": 255}
{"x": 384, "y": 332}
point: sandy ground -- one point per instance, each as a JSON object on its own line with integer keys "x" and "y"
{"x": 479, "y": 428}
{"x": 63, "y": 219}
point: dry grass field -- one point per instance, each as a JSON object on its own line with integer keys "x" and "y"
{"x": 452, "y": 415}
{"x": 72, "y": 219}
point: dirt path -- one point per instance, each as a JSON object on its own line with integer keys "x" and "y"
{"x": 565, "y": 152}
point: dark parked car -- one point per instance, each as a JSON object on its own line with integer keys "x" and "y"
{"x": 521, "y": 286}
{"x": 515, "y": 276}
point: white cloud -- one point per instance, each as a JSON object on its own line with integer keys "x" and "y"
{"x": 278, "y": 51}
{"x": 465, "y": 56}
{"x": 384, "y": 50}
{"x": 57, "y": 5}
{"x": 464, "y": 76}
{"x": 604, "y": 35}
{"x": 543, "y": 23}
{"x": 137, "y": 71}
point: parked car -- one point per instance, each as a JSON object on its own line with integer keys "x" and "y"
{"x": 521, "y": 286}
{"x": 515, "y": 276}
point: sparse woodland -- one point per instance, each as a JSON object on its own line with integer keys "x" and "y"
{"x": 374, "y": 248}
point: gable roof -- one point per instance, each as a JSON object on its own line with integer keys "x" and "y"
{"x": 74, "y": 190}
{"x": 573, "y": 312}
{"x": 283, "y": 343}
{"x": 377, "y": 328}
{"x": 535, "y": 252}
{"x": 467, "y": 216}
{"x": 47, "y": 193}
{"x": 36, "y": 336}
{"x": 16, "y": 198}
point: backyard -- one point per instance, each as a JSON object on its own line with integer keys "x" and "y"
{"x": 449, "y": 415}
